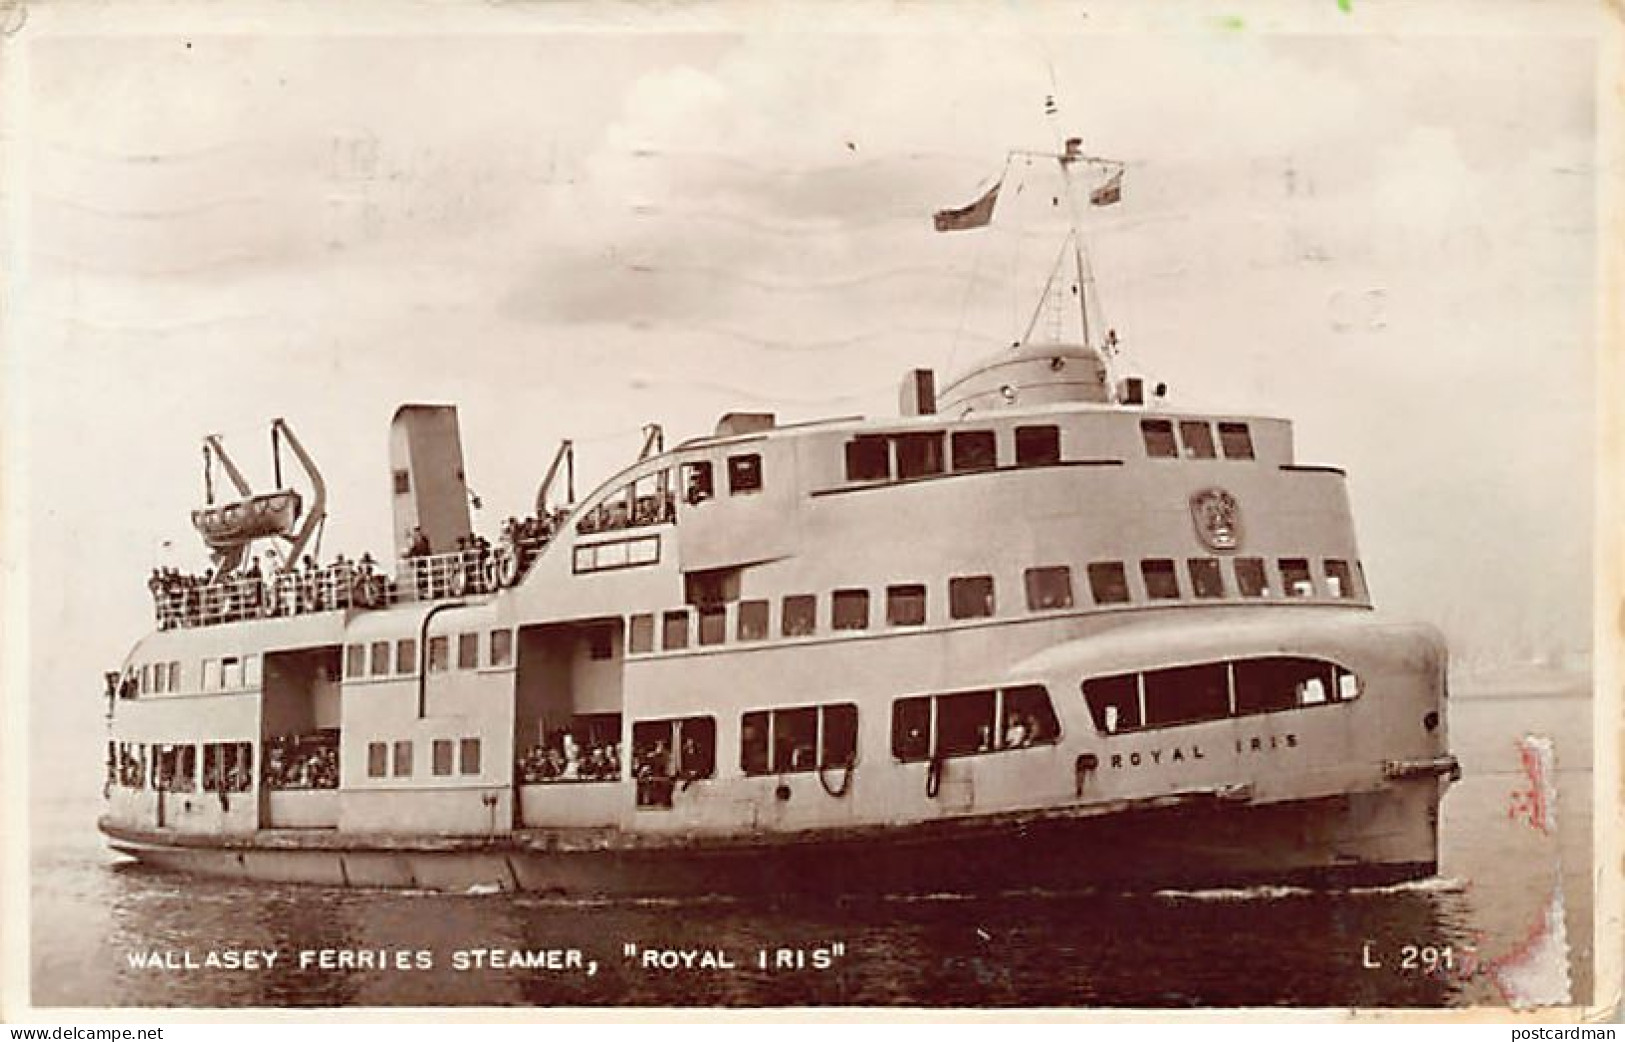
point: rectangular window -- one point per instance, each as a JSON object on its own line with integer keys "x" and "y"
{"x": 1295, "y": 579}
{"x": 403, "y": 483}
{"x": 640, "y": 637}
{"x": 868, "y": 458}
{"x": 1108, "y": 582}
{"x": 501, "y": 647}
{"x": 1159, "y": 439}
{"x": 919, "y": 455}
{"x": 839, "y": 741}
{"x": 1267, "y": 685}
{"x": 744, "y": 474}
{"x": 175, "y": 683}
{"x": 804, "y": 738}
{"x": 1161, "y": 581}
{"x": 674, "y": 630}
{"x": 1026, "y": 718}
{"x": 697, "y": 484}
{"x": 911, "y": 728}
{"x": 1251, "y": 577}
{"x": 975, "y": 450}
{"x": 965, "y": 723}
{"x": 442, "y": 757}
{"x": 231, "y": 672}
{"x": 1236, "y": 441}
{"x": 380, "y": 658}
{"x": 849, "y": 610}
{"x": 1049, "y": 588}
{"x": 252, "y": 675}
{"x": 799, "y": 617}
{"x": 146, "y": 677}
{"x": 406, "y": 655}
{"x": 713, "y": 624}
{"x": 1187, "y": 694}
{"x": 468, "y": 756}
{"x": 377, "y": 759}
{"x": 439, "y": 654}
{"x": 970, "y": 597}
{"x": 1038, "y": 446}
{"x": 672, "y": 749}
{"x": 753, "y": 744}
{"x": 752, "y": 620}
{"x": 468, "y": 650}
{"x": 905, "y": 605}
{"x": 1339, "y": 580}
{"x": 1207, "y": 579}
{"x": 402, "y": 767}
{"x": 1198, "y": 438}
{"x": 211, "y": 674}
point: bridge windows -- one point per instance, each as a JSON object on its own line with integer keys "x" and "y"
{"x": 799, "y": 615}
{"x": 849, "y": 610}
{"x": 744, "y": 474}
{"x": 1108, "y": 582}
{"x": 1236, "y": 440}
{"x": 1251, "y": 577}
{"x": 1339, "y": 580}
{"x": 439, "y": 654}
{"x": 868, "y": 458}
{"x": 1038, "y": 446}
{"x": 967, "y": 723}
{"x": 1197, "y": 438}
{"x": 1207, "y": 579}
{"x": 1161, "y": 581}
{"x": 1215, "y": 691}
{"x": 1295, "y": 578}
{"x": 970, "y": 597}
{"x": 804, "y": 738}
{"x": 1049, "y": 588}
{"x": 975, "y": 450}
{"x": 905, "y": 605}
{"x": 752, "y": 620}
{"x": 698, "y": 485}
{"x": 1159, "y": 439}
{"x": 919, "y": 455}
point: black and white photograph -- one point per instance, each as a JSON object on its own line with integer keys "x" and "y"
{"x": 536, "y": 507}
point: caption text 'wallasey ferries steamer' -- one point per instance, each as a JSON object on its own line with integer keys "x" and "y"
{"x": 1033, "y": 632}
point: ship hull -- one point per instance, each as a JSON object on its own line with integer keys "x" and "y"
{"x": 1378, "y": 837}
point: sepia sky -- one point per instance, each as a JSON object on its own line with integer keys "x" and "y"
{"x": 1387, "y": 236}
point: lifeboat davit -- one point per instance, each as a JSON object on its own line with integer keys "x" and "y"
{"x": 233, "y": 524}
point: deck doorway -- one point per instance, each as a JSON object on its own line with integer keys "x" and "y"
{"x": 568, "y": 756}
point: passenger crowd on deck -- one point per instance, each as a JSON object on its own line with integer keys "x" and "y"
{"x": 561, "y": 758}
{"x": 308, "y": 761}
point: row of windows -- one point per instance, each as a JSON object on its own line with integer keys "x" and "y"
{"x": 383, "y": 658}
{"x": 395, "y": 759}
{"x": 918, "y": 454}
{"x": 1215, "y": 691}
{"x": 1047, "y": 588}
{"x": 231, "y": 673}
{"x": 1195, "y": 440}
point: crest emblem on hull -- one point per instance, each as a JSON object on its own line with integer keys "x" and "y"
{"x": 1218, "y": 519}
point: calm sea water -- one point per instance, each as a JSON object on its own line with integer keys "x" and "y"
{"x": 1261, "y": 946}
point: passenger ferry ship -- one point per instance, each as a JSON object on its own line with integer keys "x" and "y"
{"x": 1035, "y": 631}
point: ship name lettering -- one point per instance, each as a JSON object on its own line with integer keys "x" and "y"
{"x": 685, "y": 959}
{"x": 1176, "y": 754}
{"x": 1260, "y": 744}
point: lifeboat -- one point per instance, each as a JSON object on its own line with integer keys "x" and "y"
{"x": 233, "y": 524}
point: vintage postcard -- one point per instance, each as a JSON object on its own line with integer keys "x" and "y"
{"x": 524, "y": 507}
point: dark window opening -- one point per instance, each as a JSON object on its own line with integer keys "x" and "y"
{"x": 840, "y": 738}
{"x": 1295, "y": 580}
{"x": 1207, "y": 578}
{"x": 919, "y": 455}
{"x": 744, "y": 474}
{"x": 439, "y": 654}
{"x": 640, "y": 637}
{"x": 403, "y": 482}
{"x": 1236, "y": 441}
{"x": 795, "y": 739}
{"x": 799, "y": 617}
{"x": 1266, "y": 685}
{"x": 712, "y": 586}
{"x": 965, "y": 723}
{"x": 1027, "y": 718}
{"x": 501, "y": 647}
{"x": 468, "y": 756}
{"x": 805, "y": 738}
{"x": 1161, "y": 581}
{"x": 1108, "y": 582}
{"x": 402, "y": 767}
{"x": 849, "y": 610}
{"x": 442, "y": 756}
{"x": 1038, "y": 446}
{"x": 1049, "y": 588}
{"x": 377, "y": 759}
{"x": 674, "y": 630}
{"x": 1114, "y": 702}
{"x": 468, "y": 650}
{"x": 970, "y": 597}
{"x": 1251, "y": 577}
{"x": 752, "y": 620}
{"x": 1186, "y": 694}
{"x": 380, "y": 658}
{"x": 697, "y": 483}
{"x": 1159, "y": 439}
{"x": 1339, "y": 580}
{"x": 868, "y": 458}
{"x": 905, "y": 605}
{"x": 406, "y": 656}
{"x": 713, "y": 625}
{"x": 975, "y": 450}
{"x": 1198, "y": 438}
{"x": 355, "y": 660}
{"x": 600, "y": 643}
{"x": 911, "y": 728}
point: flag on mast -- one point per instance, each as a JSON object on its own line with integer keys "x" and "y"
{"x": 1108, "y": 193}
{"x": 976, "y": 215}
